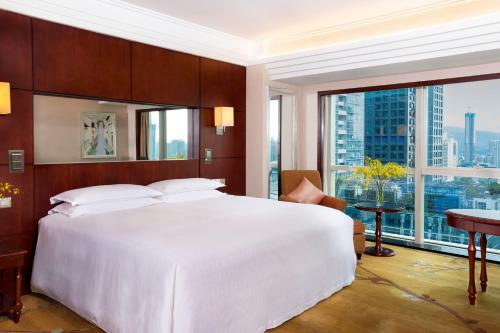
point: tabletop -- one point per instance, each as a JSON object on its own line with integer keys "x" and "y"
{"x": 477, "y": 215}
{"x": 374, "y": 207}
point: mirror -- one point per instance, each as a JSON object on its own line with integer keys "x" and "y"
{"x": 68, "y": 130}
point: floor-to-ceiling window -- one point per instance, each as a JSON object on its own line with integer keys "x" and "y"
{"x": 274, "y": 146}
{"x": 446, "y": 135}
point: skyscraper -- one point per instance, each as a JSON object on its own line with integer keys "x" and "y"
{"x": 347, "y": 112}
{"x": 390, "y": 126}
{"x": 495, "y": 153}
{"x": 470, "y": 137}
{"x": 450, "y": 154}
{"x": 435, "y": 147}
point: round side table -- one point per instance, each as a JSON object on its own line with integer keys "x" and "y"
{"x": 378, "y": 250}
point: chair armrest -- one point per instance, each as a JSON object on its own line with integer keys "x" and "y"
{"x": 333, "y": 202}
{"x": 285, "y": 197}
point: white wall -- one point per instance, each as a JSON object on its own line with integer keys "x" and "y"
{"x": 257, "y": 127}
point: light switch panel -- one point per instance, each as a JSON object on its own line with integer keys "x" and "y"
{"x": 16, "y": 161}
{"x": 208, "y": 156}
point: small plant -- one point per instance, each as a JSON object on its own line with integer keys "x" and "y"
{"x": 378, "y": 173}
{"x": 7, "y": 189}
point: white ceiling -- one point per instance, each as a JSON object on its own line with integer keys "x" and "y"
{"x": 270, "y": 19}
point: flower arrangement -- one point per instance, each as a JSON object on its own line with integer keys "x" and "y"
{"x": 7, "y": 189}
{"x": 379, "y": 173}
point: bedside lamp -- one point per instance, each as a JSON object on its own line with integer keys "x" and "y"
{"x": 4, "y": 98}
{"x": 224, "y": 117}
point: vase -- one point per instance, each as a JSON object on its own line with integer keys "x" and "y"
{"x": 380, "y": 194}
{"x": 5, "y": 202}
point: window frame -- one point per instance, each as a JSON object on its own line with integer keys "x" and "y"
{"x": 421, "y": 169}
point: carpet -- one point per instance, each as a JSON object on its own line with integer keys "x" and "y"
{"x": 414, "y": 291}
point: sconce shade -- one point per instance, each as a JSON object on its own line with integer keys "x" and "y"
{"x": 224, "y": 116}
{"x": 4, "y": 98}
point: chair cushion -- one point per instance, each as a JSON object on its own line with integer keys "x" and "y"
{"x": 359, "y": 227}
{"x": 307, "y": 193}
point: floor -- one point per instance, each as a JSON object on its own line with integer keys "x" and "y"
{"x": 415, "y": 291}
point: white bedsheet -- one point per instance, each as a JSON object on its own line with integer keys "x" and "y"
{"x": 228, "y": 264}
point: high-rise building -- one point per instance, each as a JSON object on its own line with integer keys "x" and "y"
{"x": 470, "y": 137}
{"x": 495, "y": 153}
{"x": 347, "y": 111}
{"x": 435, "y": 154}
{"x": 450, "y": 152}
{"x": 390, "y": 126}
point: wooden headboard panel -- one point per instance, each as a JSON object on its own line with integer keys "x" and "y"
{"x": 51, "y": 179}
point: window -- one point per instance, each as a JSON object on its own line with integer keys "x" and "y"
{"x": 166, "y": 134}
{"x": 455, "y": 129}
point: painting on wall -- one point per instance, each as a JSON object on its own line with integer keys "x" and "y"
{"x": 98, "y": 135}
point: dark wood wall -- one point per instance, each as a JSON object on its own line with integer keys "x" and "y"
{"x": 49, "y": 58}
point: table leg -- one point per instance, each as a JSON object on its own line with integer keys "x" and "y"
{"x": 484, "y": 275}
{"x": 378, "y": 232}
{"x": 18, "y": 305}
{"x": 378, "y": 250}
{"x": 472, "y": 259}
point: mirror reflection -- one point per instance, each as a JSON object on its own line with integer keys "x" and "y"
{"x": 83, "y": 130}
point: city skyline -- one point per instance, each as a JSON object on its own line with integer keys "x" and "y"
{"x": 479, "y": 97}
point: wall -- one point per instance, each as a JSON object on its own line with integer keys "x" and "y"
{"x": 257, "y": 102}
{"x": 53, "y": 59}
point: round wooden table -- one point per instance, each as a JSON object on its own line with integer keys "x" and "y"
{"x": 378, "y": 250}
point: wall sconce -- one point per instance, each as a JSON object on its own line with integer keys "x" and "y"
{"x": 224, "y": 117}
{"x": 4, "y": 98}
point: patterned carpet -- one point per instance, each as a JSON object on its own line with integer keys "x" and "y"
{"x": 415, "y": 291}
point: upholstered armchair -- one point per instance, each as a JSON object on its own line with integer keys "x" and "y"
{"x": 290, "y": 179}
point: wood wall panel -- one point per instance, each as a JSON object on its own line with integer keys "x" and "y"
{"x": 15, "y": 50}
{"x": 222, "y": 84}
{"x": 77, "y": 62}
{"x": 19, "y": 218}
{"x": 51, "y": 179}
{"x": 16, "y": 129}
{"x": 232, "y": 169}
{"x": 165, "y": 76}
{"x": 231, "y": 144}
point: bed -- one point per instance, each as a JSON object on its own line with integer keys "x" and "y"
{"x": 225, "y": 264}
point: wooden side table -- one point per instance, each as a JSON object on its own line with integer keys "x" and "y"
{"x": 12, "y": 258}
{"x": 378, "y": 250}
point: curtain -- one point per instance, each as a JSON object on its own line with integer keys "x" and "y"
{"x": 144, "y": 136}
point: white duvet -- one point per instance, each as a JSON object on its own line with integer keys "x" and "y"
{"x": 227, "y": 264}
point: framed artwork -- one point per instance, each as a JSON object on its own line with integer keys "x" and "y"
{"x": 98, "y": 135}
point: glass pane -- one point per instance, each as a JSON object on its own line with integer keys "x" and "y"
{"x": 177, "y": 126}
{"x": 347, "y": 129}
{"x": 390, "y": 126}
{"x": 274, "y": 146}
{"x": 463, "y": 126}
{"x": 402, "y": 192}
{"x": 442, "y": 193}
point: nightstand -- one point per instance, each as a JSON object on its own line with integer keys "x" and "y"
{"x": 11, "y": 258}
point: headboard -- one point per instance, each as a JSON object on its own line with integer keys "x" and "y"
{"x": 51, "y": 179}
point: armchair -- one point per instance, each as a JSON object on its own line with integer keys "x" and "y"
{"x": 290, "y": 179}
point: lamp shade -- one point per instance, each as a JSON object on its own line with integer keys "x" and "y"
{"x": 4, "y": 98}
{"x": 224, "y": 116}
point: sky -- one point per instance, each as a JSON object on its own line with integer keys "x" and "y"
{"x": 483, "y": 98}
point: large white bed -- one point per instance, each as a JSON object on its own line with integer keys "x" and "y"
{"x": 226, "y": 264}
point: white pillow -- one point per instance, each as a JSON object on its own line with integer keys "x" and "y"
{"x": 104, "y": 193}
{"x": 190, "y": 196}
{"x": 102, "y": 207}
{"x": 172, "y": 186}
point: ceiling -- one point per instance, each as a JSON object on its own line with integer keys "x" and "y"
{"x": 271, "y": 19}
